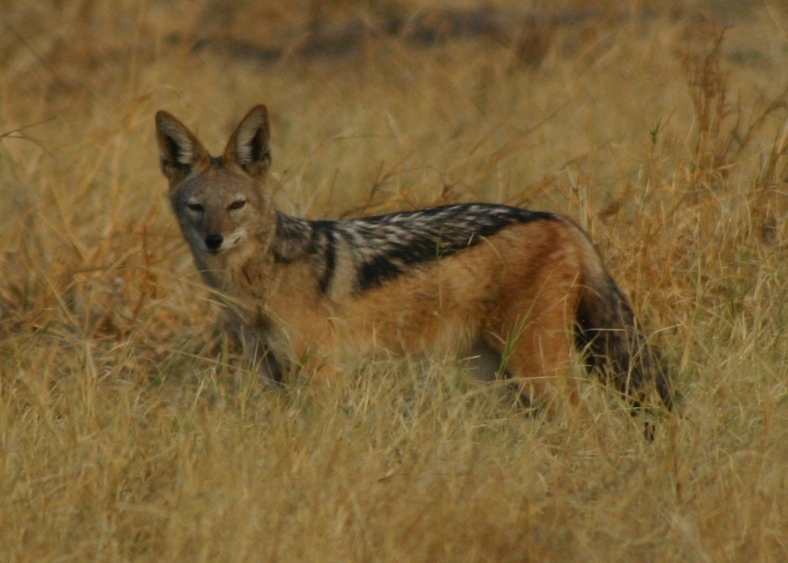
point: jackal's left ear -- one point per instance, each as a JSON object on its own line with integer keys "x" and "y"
{"x": 179, "y": 150}
{"x": 248, "y": 147}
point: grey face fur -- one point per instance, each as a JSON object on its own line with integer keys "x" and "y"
{"x": 213, "y": 221}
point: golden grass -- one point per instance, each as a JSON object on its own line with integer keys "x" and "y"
{"x": 126, "y": 434}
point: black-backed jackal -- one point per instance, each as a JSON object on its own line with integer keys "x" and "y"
{"x": 526, "y": 287}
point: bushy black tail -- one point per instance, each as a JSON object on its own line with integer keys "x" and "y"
{"x": 614, "y": 345}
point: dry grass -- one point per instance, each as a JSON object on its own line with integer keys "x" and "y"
{"x": 126, "y": 435}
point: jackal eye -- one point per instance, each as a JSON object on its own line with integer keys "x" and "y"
{"x": 237, "y": 204}
{"x": 196, "y": 207}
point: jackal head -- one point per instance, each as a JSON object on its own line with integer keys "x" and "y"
{"x": 219, "y": 201}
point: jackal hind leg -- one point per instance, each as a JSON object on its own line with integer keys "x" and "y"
{"x": 537, "y": 354}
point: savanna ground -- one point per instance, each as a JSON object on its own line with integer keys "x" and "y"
{"x": 128, "y": 431}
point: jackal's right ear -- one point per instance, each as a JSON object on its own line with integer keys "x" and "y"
{"x": 249, "y": 145}
{"x": 179, "y": 150}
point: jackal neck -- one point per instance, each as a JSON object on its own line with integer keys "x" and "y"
{"x": 294, "y": 238}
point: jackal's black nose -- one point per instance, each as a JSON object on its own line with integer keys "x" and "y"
{"x": 213, "y": 241}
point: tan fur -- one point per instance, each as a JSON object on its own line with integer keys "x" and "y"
{"x": 516, "y": 292}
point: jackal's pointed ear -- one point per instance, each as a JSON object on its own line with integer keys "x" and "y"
{"x": 248, "y": 147}
{"x": 179, "y": 150}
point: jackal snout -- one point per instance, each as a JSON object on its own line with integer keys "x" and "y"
{"x": 211, "y": 221}
{"x": 214, "y": 241}
{"x": 218, "y": 242}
